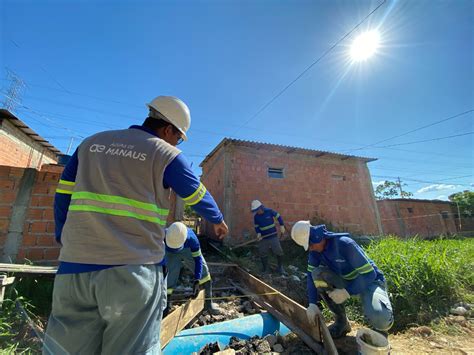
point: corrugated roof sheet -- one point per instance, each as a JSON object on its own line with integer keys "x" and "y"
{"x": 279, "y": 147}
{"x": 22, "y": 126}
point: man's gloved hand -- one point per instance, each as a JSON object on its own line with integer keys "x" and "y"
{"x": 259, "y": 236}
{"x": 312, "y": 312}
{"x": 339, "y": 295}
{"x": 282, "y": 229}
{"x": 196, "y": 288}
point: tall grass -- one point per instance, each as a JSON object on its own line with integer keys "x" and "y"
{"x": 425, "y": 278}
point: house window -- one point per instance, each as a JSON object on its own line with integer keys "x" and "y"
{"x": 339, "y": 177}
{"x": 410, "y": 210}
{"x": 275, "y": 173}
{"x": 445, "y": 214}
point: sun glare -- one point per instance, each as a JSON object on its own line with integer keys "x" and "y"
{"x": 365, "y": 45}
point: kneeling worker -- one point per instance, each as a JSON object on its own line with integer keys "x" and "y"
{"x": 337, "y": 269}
{"x": 182, "y": 246}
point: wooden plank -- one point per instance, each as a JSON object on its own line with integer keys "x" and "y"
{"x": 291, "y": 313}
{"x": 174, "y": 322}
{"x": 327, "y": 338}
{"x": 28, "y": 269}
{"x": 261, "y": 304}
{"x": 313, "y": 344}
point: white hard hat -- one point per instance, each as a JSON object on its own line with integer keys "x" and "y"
{"x": 176, "y": 235}
{"x": 300, "y": 233}
{"x": 172, "y": 110}
{"x": 255, "y": 205}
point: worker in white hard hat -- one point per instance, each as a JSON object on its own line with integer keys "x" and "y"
{"x": 338, "y": 269}
{"x": 183, "y": 248}
{"x": 110, "y": 208}
{"x": 265, "y": 227}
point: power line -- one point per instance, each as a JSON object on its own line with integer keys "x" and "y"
{"x": 427, "y": 140}
{"x": 83, "y": 95}
{"x": 264, "y": 107}
{"x": 416, "y": 180}
{"x": 413, "y": 130}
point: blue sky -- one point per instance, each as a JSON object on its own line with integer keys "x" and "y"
{"x": 92, "y": 65}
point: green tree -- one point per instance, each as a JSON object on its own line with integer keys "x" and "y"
{"x": 391, "y": 189}
{"x": 465, "y": 201}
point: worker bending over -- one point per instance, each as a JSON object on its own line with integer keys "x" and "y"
{"x": 110, "y": 210}
{"x": 338, "y": 269}
{"x": 183, "y": 247}
{"x": 264, "y": 221}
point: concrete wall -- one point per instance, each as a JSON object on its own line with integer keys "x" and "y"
{"x": 316, "y": 188}
{"x": 18, "y": 149}
{"x": 417, "y": 217}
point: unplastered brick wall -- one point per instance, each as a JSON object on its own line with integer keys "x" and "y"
{"x": 26, "y": 214}
{"x": 18, "y": 149}
{"x": 410, "y": 217}
{"x": 325, "y": 188}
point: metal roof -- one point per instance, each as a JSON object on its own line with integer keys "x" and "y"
{"x": 22, "y": 126}
{"x": 283, "y": 148}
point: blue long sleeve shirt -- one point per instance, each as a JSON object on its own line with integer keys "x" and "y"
{"x": 265, "y": 222}
{"x": 177, "y": 175}
{"x": 347, "y": 259}
{"x": 192, "y": 243}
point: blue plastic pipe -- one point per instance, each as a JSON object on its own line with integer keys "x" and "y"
{"x": 194, "y": 339}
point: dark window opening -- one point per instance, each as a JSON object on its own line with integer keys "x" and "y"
{"x": 339, "y": 177}
{"x": 275, "y": 173}
{"x": 445, "y": 214}
{"x": 410, "y": 210}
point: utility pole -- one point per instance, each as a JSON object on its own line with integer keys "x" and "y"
{"x": 459, "y": 216}
{"x": 13, "y": 94}
{"x": 400, "y": 187}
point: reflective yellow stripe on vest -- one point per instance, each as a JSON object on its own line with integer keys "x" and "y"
{"x": 267, "y": 227}
{"x": 65, "y": 187}
{"x": 205, "y": 279}
{"x": 197, "y": 195}
{"x": 117, "y": 206}
{"x": 196, "y": 253}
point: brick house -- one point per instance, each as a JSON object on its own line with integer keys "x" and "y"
{"x": 298, "y": 183}
{"x": 425, "y": 218}
{"x": 20, "y": 146}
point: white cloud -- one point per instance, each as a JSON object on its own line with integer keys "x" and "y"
{"x": 442, "y": 197}
{"x": 436, "y": 187}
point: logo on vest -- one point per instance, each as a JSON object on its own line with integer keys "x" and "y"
{"x": 118, "y": 149}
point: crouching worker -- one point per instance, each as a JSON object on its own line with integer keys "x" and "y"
{"x": 182, "y": 246}
{"x": 338, "y": 269}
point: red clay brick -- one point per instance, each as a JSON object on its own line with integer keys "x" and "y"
{"x": 29, "y": 240}
{"x": 35, "y": 213}
{"x": 51, "y": 253}
{"x": 45, "y": 240}
{"x": 38, "y": 227}
{"x": 34, "y": 254}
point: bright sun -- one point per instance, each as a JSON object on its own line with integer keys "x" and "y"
{"x": 365, "y": 45}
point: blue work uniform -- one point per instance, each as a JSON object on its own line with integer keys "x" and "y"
{"x": 190, "y": 255}
{"x": 265, "y": 222}
{"x": 343, "y": 264}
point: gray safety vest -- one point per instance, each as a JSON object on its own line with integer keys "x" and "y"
{"x": 118, "y": 206}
